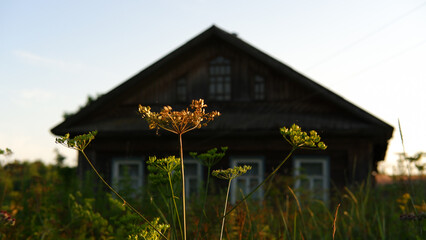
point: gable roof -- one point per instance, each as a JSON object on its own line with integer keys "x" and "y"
{"x": 380, "y": 127}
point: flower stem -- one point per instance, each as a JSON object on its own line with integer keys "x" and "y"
{"x": 206, "y": 189}
{"x": 174, "y": 202}
{"x": 183, "y": 187}
{"x": 224, "y": 209}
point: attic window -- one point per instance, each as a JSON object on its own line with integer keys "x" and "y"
{"x": 259, "y": 88}
{"x": 181, "y": 89}
{"x": 220, "y": 79}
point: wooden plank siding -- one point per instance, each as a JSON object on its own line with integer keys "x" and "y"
{"x": 249, "y": 127}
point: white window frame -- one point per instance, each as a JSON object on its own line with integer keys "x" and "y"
{"x": 120, "y": 161}
{"x": 198, "y": 176}
{"x": 235, "y": 161}
{"x": 297, "y": 162}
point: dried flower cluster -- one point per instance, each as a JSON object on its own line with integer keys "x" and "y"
{"x": 6, "y": 219}
{"x": 79, "y": 142}
{"x": 299, "y": 139}
{"x": 178, "y": 122}
{"x": 231, "y": 173}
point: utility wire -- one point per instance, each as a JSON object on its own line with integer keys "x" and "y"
{"x": 356, "y": 42}
{"x": 386, "y": 59}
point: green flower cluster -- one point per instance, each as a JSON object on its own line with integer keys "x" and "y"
{"x": 210, "y": 158}
{"x": 79, "y": 142}
{"x": 231, "y": 173}
{"x": 159, "y": 169}
{"x": 300, "y": 139}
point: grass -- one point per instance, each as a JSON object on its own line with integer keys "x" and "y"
{"x": 38, "y": 197}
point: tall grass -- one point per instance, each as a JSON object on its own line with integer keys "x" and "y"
{"x": 38, "y": 197}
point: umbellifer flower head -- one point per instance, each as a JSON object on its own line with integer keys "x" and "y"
{"x": 300, "y": 139}
{"x": 231, "y": 173}
{"x": 79, "y": 142}
{"x": 178, "y": 122}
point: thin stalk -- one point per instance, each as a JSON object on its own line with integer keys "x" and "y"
{"x": 252, "y": 229}
{"x": 287, "y": 231}
{"x": 163, "y": 217}
{"x": 335, "y": 220}
{"x": 119, "y": 196}
{"x": 224, "y": 209}
{"x": 205, "y": 198}
{"x": 295, "y": 225}
{"x": 263, "y": 182}
{"x": 183, "y": 187}
{"x": 299, "y": 208}
{"x": 174, "y": 203}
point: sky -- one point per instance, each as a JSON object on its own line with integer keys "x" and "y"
{"x": 53, "y": 54}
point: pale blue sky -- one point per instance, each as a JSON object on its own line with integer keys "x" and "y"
{"x": 53, "y": 54}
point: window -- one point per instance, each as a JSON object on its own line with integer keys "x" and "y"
{"x": 127, "y": 173}
{"x": 259, "y": 88}
{"x": 312, "y": 176}
{"x": 181, "y": 89}
{"x": 244, "y": 184}
{"x": 220, "y": 79}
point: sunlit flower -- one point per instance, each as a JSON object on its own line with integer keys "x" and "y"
{"x": 231, "y": 173}
{"x": 178, "y": 122}
{"x": 300, "y": 139}
{"x": 79, "y": 142}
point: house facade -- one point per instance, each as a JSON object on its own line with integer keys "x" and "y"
{"x": 255, "y": 94}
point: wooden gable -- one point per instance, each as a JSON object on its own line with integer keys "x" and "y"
{"x": 248, "y": 124}
{"x": 290, "y": 97}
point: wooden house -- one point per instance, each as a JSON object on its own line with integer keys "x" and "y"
{"x": 256, "y": 95}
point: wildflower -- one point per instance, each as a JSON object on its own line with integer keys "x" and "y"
{"x": 300, "y": 139}
{"x": 178, "y": 122}
{"x": 231, "y": 173}
{"x": 79, "y": 142}
{"x": 6, "y": 219}
{"x": 160, "y": 168}
{"x": 210, "y": 158}
{"x": 168, "y": 164}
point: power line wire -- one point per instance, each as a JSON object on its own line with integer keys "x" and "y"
{"x": 387, "y": 59}
{"x": 363, "y": 38}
